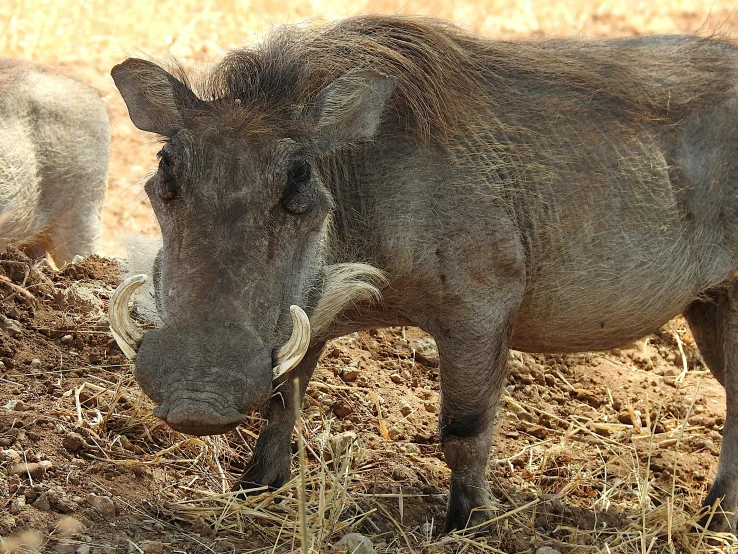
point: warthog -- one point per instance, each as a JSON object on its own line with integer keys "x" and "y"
{"x": 546, "y": 195}
{"x": 54, "y": 145}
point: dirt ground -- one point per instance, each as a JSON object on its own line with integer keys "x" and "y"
{"x": 594, "y": 452}
{"x": 586, "y": 446}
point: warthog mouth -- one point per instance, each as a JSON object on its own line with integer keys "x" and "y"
{"x": 199, "y": 414}
{"x": 128, "y": 335}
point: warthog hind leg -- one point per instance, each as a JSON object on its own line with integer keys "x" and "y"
{"x": 714, "y": 324}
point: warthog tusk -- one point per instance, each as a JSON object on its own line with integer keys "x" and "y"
{"x": 125, "y": 331}
{"x": 295, "y": 348}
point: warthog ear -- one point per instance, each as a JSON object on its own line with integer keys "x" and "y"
{"x": 155, "y": 99}
{"x": 350, "y": 108}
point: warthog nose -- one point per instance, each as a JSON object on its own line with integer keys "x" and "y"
{"x": 196, "y": 418}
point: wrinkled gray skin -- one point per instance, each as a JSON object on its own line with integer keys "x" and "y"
{"x": 632, "y": 222}
{"x": 54, "y": 146}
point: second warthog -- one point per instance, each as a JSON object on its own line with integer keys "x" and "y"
{"x": 54, "y": 147}
{"x": 545, "y": 195}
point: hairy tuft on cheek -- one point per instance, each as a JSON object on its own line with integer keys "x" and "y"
{"x": 345, "y": 285}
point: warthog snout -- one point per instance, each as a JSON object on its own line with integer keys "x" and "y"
{"x": 205, "y": 377}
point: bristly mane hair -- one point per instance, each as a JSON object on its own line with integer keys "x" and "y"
{"x": 446, "y": 73}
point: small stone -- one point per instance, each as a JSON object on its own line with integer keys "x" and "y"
{"x": 538, "y": 431}
{"x": 73, "y": 442}
{"x": 17, "y": 505}
{"x": 202, "y": 528}
{"x": 42, "y": 503}
{"x": 603, "y": 430}
{"x": 393, "y": 432}
{"x": 102, "y": 504}
{"x": 339, "y": 444}
{"x": 547, "y": 550}
{"x": 20, "y": 406}
{"x": 406, "y": 409}
{"x": 427, "y": 529}
{"x": 431, "y": 407}
{"x": 152, "y": 547}
{"x": 66, "y": 339}
{"x": 35, "y": 362}
{"x": 396, "y": 378}
{"x": 332, "y": 353}
{"x": 10, "y": 326}
{"x": 10, "y": 456}
{"x": 60, "y": 504}
{"x": 14, "y": 484}
{"x": 83, "y": 549}
{"x": 426, "y": 352}
{"x": 526, "y": 379}
{"x": 342, "y": 409}
{"x": 354, "y": 543}
{"x": 36, "y": 470}
{"x": 350, "y": 374}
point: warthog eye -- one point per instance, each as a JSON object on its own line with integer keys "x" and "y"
{"x": 300, "y": 172}
{"x": 168, "y": 189}
{"x": 297, "y": 198}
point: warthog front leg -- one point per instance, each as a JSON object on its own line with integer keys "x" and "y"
{"x": 270, "y": 464}
{"x": 714, "y": 324}
{"x": 473, "y": 355}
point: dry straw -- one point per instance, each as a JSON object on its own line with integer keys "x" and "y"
{"x": 330, "y": 495}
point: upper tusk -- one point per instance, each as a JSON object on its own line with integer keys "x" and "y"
{"x": 125, "y": 331}
{"x": 295, "y": 348}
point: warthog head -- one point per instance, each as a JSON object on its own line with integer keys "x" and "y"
{"x": 245, "y": 219}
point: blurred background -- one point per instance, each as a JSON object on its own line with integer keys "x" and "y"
{"x": 87, "y": 37}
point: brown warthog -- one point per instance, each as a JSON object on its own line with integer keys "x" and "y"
{"x": 54, "y": 146}
{"x": 546, "y": 195}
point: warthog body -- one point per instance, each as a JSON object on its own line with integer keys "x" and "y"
{"x": 54, "y": 146}
{"x": 545, "y": 195}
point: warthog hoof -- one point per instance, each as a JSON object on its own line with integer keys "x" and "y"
{"x": 466, "y": 504}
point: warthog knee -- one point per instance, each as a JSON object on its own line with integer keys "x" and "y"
{"x": 464, "y": 454}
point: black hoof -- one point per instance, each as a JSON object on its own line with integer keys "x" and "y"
{"x": 262, "y": 477}
{"x": 720, "y": 508}
{"x": 466, "y": 507}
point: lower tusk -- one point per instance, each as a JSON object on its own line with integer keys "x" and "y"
{"x": 125, "y": 331}
{"x": 291, "y": 354}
